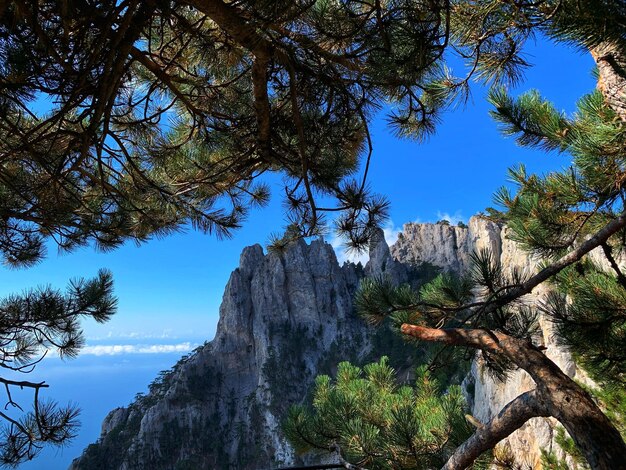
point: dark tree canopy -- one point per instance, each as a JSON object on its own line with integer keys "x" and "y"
{"x": 125, "y": 119}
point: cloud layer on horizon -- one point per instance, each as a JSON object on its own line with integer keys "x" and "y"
{"x": 118, "y": 349}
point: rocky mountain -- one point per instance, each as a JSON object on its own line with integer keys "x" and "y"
{"x": 285, "y": 318}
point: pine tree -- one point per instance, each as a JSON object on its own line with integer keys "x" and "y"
{"x": 162, "y": 113}
{"x": 367, "y": 419}
{"x": 125, "y": 120}
{"x": 561, "y": 217}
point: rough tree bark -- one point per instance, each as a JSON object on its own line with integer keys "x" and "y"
{"x": 511, "y": 417}
{"x": 611, "y": 64}
{"x": 557, "y": 395}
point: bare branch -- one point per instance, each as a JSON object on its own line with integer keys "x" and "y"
{"x": 573, "y": 256}
{"x": 509, "y": 419}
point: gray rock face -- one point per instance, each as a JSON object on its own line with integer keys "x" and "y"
{"x": 286, "y": 318}
{"x": 451, "y": 247}
{"x": 445, "y": 246}
{"x": 382, "y": 263}
{"x": 438, "y": 244}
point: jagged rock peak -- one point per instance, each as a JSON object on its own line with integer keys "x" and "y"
{"x": 446, "y": 246}
{"x": 381, "y": 262}
{"x": 250, "y": 257}
{"x": 285, "y": 318}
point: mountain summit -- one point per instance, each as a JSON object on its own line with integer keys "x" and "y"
{"x": 286, "y": 317}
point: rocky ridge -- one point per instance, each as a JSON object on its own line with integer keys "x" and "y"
{"x": 285, "y": 318}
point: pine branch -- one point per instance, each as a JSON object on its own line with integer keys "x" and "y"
{"x": 601, "y": 236}
{"x": 560, "y": 395}
{"x": 608, "y": 253}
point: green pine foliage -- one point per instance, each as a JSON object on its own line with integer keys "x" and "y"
{"x": 32, "y": 325}
{"x": 611, "y": 396}
{"x": 371, "y": 421}
{"x": 589, "y": 312}
{"x": 550, "y": 214}
{"x": 587, "y": 24}
{"x": 452, "y": 301}
{"x": 171, "y": 113}
{"x": 613, "y": 400}
{"x": 163, "y": 114}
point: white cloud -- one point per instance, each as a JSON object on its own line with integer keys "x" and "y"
{"x": 391, "y": 236}
{"x": 343, "y": 255}
{"x": 454, "y": 219}
{"x": 391, "y": 232}
{"x": 117, "y": 349}
{"x": 113, "y": 334}
{"x": 165, "y": 334}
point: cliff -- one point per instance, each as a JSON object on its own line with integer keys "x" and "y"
{"x": 285, "y": 318}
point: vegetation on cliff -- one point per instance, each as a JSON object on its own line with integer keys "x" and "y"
{"x": 370, "y": 420}
{"x": 560, "y": 217}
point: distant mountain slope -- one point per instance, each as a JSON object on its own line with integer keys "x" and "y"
{"x": 286, "y": 318}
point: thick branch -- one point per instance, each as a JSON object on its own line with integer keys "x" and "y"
{"x": 511, "y": 417}
{"x": 563, "y": 398}
{"x": 478, "y": 339}
{"x": 234, "y": 25}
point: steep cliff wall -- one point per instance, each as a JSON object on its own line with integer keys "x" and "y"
{"x": 285, "y": 318}
{"x": 450, "y": 247}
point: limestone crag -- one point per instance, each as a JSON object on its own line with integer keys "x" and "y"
{"x": 446, "y": 246}
{"x": 450, "y": 248}
{"x": 285, "y": 318}
{"x": 488, "y": 395}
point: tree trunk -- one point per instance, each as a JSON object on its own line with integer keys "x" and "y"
{"x": 611, "y": 64}
{"x": 564, "y": 399}
{"x": 512, "y": 417}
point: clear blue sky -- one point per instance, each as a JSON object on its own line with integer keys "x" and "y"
{"x": 169, "y": 290}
